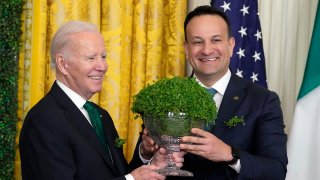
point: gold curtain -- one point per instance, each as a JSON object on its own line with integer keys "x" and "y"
{"x": 144, "y": 41}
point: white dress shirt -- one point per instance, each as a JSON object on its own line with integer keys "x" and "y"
{"x": 75, "y": 98}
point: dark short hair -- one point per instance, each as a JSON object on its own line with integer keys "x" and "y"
{"x": 205, "y": 10}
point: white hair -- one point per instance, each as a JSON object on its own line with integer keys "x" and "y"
{"x": 61, "y": 37}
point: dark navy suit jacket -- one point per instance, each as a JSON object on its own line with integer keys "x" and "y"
{"x": 262, "y": 140}
{"x": 57, "y": 142}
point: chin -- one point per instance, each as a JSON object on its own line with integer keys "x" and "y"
{"x": 96, "y": 89}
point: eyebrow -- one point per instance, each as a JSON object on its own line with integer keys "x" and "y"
{"x": 199, "y": 37}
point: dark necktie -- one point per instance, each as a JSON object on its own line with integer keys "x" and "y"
{"x": 97, "y": 125}
{"x": 212, "y": 91}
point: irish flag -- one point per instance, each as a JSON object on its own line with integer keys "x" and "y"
{"x": 304, "y": 138}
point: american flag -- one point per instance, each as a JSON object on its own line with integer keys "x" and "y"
{"x": 248, "y": 57}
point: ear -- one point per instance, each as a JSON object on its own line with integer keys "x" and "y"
{"x": 231, "y": 45}
{"x": 61, "y": 64}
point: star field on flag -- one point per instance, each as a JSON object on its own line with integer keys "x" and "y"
{"x": 248, "y": 59}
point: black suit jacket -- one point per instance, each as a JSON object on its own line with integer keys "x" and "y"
{"x": 262, "y": 140}
{"x": 57, "y": 142}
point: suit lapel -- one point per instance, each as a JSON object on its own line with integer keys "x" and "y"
{"x": 78, "y": 120}
{"x": 111, "y": 135}
{"x": 83, "y": 126}
{"x": 232, "y": 98}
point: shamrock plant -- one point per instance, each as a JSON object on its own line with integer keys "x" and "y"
{"x": 177, "y": 94}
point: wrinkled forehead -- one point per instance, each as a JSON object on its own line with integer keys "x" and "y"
{"x": 83, "y": 45}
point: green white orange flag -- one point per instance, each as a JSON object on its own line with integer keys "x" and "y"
{"x": 304, "y": 138}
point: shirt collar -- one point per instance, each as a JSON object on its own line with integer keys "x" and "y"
{"x": 221, "y": 85}
{"x": 75, "y": 98}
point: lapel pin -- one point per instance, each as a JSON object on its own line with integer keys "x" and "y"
{"x": 236, "y": 98}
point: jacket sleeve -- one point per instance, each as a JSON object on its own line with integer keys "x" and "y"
{"x": 136, "y": 161}
{"x": 268, "y": 159}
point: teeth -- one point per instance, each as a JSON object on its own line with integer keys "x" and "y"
{"x": 212, "y": 59}
{"x": 95, "y": 77}
{"x": 208, "y": 59}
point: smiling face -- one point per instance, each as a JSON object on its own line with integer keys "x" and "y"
{"x": 208, "y": 47}
{"x": 82, "y": 63}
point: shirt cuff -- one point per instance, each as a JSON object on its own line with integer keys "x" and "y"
{"x": 129, "y": 177}
{"x": 145, "y": 161}
{"x": 236, "y": 166}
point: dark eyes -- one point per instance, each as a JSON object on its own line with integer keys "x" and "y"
{"x": 214, "y": 41}
{"x": 197, "y": 42}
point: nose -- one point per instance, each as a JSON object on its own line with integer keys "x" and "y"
{"x": 101, "y": 64}
{"x": 207, "y": 48}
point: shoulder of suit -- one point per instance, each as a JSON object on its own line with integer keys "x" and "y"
{"x": 252, "y": 86}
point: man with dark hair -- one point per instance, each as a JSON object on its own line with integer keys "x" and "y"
{"x": 248, "y": 139}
